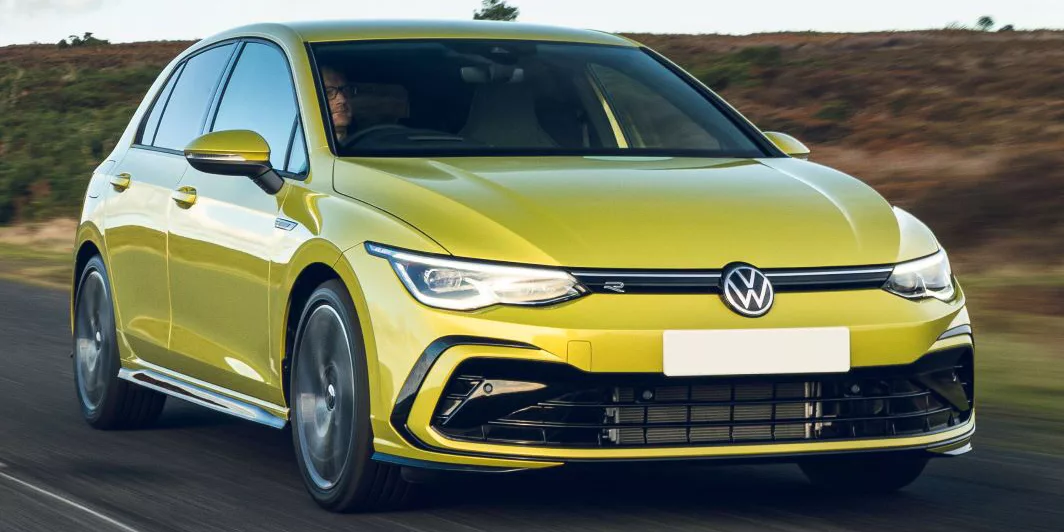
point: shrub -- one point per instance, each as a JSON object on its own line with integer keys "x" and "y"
{"x": 835, "y": 111}
{"x": 744, "y": 67}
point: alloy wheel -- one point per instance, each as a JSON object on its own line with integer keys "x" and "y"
{"x": 324, "y": 397}
{"x": 92, "y": 341}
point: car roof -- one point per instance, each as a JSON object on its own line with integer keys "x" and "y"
{"x": 347, "y": 30}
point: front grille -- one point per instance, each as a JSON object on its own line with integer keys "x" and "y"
{"x": 495, "y": 402}
{"x": 610, "y": 281}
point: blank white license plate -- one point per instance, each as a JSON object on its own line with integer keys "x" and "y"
{"x": 756, "y": 351}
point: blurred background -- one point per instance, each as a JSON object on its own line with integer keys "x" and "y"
{"x": 952, "y": 110}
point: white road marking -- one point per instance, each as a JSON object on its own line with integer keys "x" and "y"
{"x": 65, "y": 500}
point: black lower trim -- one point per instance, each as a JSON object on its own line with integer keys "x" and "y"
{"x": 551, "y": 405}
{"x": 408, "y": 393}
{"x": 440, "y": 466}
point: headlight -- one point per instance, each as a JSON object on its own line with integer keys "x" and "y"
{"x": 457, "y": 284}
{"x": 923, "y": 278}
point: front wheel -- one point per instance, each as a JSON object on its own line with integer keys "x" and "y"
{"x": 864, "y": 473}
{"x": 330, "y": 410}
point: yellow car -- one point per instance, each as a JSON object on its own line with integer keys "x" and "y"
{"x": 493, "y": 247}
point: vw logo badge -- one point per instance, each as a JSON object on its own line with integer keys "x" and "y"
{"x": 746, "y": 290}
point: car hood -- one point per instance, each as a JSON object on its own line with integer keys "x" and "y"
{"x": 637, "y": 212}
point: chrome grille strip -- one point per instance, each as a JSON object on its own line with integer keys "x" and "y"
{"x": 708, "y": 281}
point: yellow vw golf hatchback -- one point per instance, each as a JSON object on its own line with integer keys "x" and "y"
{"x": 490, "y": 247}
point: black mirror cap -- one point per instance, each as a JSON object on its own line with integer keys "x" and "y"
{"x": 260, "y": 172}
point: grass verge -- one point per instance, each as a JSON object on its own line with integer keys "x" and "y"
{"x": 39, "y": 267}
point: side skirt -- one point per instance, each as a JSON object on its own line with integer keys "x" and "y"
{"x": 201, "y": 396}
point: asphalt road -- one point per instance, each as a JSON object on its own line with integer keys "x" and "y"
{"x": 202, "y": 471}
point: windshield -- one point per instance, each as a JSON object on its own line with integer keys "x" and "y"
{"x": 429, "y": 98}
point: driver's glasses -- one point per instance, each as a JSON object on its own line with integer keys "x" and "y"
{"x": 347, "y": 90}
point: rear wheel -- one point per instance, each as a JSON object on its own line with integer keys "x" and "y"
{"x": 865, "y": 473}
{"x": 107, "y": 402}
{"x": 330, "y": 410}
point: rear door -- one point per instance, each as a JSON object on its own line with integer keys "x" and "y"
{"x": 139, "y": 201}
{"x": 221, "y": 245}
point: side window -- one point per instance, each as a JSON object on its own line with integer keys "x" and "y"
{"x": 147, "y": 134}
{"x": 189, "y": 100}
{"x": 297, "y": 159}
{"x": 648, "y": 118}
{"x": 260, "y": 97}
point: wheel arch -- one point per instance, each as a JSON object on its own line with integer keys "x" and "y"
{"x": 311, "y": 274}
{"x": 88, "y": 243}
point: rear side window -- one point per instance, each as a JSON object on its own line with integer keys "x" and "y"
{"x": 260, "y": 97}
{"x": 147, "y": 135}
{"x": 183, "y": 118}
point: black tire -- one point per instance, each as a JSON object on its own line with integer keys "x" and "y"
{"x": 335, "y": 445}
{"x": 876, "y": 473}
{"x": 107, "y": 402}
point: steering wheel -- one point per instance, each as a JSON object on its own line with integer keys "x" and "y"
{"x": 372, "y": 130}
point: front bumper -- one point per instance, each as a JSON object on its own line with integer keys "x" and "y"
{"x": 416, "y": 352}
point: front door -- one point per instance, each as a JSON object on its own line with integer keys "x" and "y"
{"x": 223, "y": 236}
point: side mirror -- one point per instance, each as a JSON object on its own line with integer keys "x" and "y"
{"x": 236, "y": 152}
{"x": 788, "y": 144}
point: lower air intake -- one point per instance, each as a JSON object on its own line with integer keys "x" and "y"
{"x": 554, "y": 405}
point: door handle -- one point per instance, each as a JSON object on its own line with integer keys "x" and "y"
{"x": 184, "y": 197}
{"x": 121, "y": 181}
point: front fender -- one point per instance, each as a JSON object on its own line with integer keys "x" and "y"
{"x": 325, "y": 227}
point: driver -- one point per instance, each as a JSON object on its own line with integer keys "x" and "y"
{"x": 338, "y": 92}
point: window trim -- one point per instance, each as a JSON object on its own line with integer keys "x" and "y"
{"x": 167, "y": 151}
{"x": 323, "y": 101}
{"x": 211, "y": 114}
{"x": 291, "y": 141}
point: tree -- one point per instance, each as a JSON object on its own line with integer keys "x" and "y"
{"x": 496, "y": 10}
{"x": 86, "y": 40}
{"x": 985, "y": 23}
{"x": 1007, "y": 27}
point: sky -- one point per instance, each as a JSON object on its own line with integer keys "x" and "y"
{"x": 25, "y": 21}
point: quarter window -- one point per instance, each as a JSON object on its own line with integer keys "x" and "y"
{"x": 147, "y": 135}
{"x": 297, "y": 161}
{"x": 182, "y": 120}
{"x": 260, "y": 97}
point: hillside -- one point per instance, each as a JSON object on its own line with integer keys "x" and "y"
{"x": 966, "y": 129}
